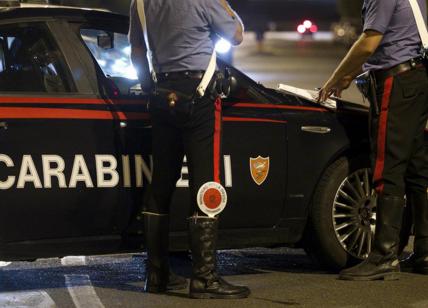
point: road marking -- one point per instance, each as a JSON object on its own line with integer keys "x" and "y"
{"x": 33, "y": 299}
{"x": 4, "y": 264}
{"x": 79, "y": 286}
{"x": 73, "y": 261}
{"x": 82, "y": 292}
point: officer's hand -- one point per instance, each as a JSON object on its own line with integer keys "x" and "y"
{"x": 334, "y": 87}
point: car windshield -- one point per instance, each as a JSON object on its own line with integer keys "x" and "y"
{"x": 112, "y": 51}
{"x": 114, "y": 58}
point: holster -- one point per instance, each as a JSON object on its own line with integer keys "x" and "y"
{"x": 221, "y": 84}
{"x": 424, "y": 54}
{"x": 172, "y": 100}
{"x": 366, "y": 83}
{"x": 177, "y": 96}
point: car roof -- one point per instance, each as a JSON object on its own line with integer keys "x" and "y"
{"x": 50, "y": 10}
{"x": 53, "y": 6}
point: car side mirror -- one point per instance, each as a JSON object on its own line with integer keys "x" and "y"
{"x": 105, "y": 41}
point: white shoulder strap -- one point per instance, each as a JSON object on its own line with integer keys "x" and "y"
{"x": 420, "y": 22}
{"x": 209, "y": 73}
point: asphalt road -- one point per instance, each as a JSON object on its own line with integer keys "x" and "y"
{"x": 277, "y": 277}
{"x": 301, "y": 63}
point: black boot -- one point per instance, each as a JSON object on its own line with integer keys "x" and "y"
{"x": 159, "y": 278}
{"x": 205, "y": 282}
{"x": 382, "y": 262}
{"x": 419, "y": 201}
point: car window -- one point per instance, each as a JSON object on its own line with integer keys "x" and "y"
{"x": 112, "y": 51}
{"x": 114, "y": 60}
{"x": 30, "y": 61}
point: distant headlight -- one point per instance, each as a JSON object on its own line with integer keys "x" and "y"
{"x": 308, "y": 24}
{"x": 301, "y": 29}
{"x": 223, "y": 46}
{"x": 307, "y": 27}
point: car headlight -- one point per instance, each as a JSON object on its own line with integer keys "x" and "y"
{"x": 223, "y": 46}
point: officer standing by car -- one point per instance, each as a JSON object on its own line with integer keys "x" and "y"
{"x": 390, "y": 49}
{"x": 181, "y": 36}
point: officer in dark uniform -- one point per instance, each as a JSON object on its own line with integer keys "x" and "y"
{"x": 181, "y": 35}
{"x": 390, "y": 48}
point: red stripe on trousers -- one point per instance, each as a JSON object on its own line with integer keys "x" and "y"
{"x": 217, "y": 139}
{"x": 381, "y": 135}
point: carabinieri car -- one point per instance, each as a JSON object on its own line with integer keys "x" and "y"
{"x": 75, "y": 151}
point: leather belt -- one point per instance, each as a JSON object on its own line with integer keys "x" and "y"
{"x": 399, "y": 69}
{"x": 180, "y": 75}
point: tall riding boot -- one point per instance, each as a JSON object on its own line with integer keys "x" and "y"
{"x": 382, "y": 262}
{"x": 159, "y": 278}
{"x": 205, "y": 282}
{"x": 419, "y": 202}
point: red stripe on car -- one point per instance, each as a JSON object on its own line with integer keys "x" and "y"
{"x": 97, "y": 101}
{"x": 68, "y": 100}
{"x": 273, "y": 106}
{"x": 236, "y": 119}
{"x": 56, "y": 113}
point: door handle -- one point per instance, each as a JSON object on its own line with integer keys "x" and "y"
{"x": 3, "y": 125}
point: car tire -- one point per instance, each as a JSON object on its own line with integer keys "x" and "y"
{"x": 320, "y": 240}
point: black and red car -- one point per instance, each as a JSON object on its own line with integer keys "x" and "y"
{"x": 75, "y": 151}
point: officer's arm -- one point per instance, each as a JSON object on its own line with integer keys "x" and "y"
{"x": 360, "y": 52}
{"x": 239, "y": 33}
{"x": 140, "y": 62}
{"x": 351, "y": 65}
{"x": 224, "y": 21}
{"x": 377, "y": 18}
{"x": 138, "y": 48}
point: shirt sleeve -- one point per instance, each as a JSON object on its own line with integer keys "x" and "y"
{"x": 378, "y": 14}
{"x": 220, "y": 21}
{"x": 135, "y": 35}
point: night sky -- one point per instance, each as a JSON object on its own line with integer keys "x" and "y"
{"x": 285, "y": 12}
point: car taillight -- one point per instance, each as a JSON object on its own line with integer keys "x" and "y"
{"x": 313, "y": 29}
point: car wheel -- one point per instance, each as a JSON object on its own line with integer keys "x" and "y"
{"x": 342, "y": 217}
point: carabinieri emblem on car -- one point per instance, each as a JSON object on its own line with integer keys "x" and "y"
{"x": 259, "y": 168}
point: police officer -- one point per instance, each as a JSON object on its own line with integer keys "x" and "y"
{"x": 181, "y": 36}
{"x": 390, "y": 48}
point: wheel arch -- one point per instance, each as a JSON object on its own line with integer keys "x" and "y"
{"x": 317, "y": 239}
{"x": 345, "y": 151}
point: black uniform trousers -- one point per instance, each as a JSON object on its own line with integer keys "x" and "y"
{"x": 187, "y": 129}
{"x": 399, "y": 156}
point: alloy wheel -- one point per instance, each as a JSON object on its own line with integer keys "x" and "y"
{"x": 354, "y": 214}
